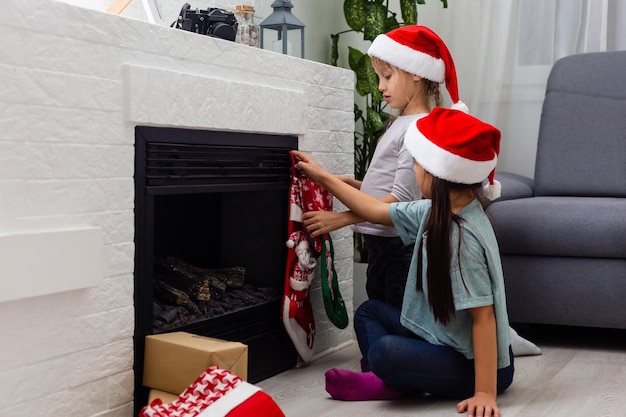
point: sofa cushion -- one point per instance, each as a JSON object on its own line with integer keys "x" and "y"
{"x": 561, "y": 226}
{"x": 514, "y": 186}
{"x": 582, "y": 147}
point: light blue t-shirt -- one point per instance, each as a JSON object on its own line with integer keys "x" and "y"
{"x": 477, "y": 279}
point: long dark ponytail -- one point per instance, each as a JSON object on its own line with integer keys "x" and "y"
{"x": 438, "y": 232}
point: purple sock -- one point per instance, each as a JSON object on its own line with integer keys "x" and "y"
{"x": 343, "y": 384}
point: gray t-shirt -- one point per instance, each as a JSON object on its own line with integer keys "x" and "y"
{"x": 390, "y": 172}
{"x": 476, "y": 274}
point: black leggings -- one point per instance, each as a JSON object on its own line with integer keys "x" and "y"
{"x": 388, "y": 264}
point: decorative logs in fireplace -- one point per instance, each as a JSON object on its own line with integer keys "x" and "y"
{"x": 198, "y": 283}
{"x": 186, "y": 293}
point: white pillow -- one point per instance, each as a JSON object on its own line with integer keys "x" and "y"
{"x": 521, "y": 346}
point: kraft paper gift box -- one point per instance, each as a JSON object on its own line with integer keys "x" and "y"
{"x": 173, "y": 361}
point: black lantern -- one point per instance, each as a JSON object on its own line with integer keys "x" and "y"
{"x": 282, "y": 21}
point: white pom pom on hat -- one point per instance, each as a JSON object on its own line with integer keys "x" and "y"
{"x": 456, "y": 147}
{"x": 418, "y": 50}
{"x": 492, "y": 190}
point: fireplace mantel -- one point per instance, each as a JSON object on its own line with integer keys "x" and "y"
{"x": 177, "y": 98}
{"x": 75, "y": 83}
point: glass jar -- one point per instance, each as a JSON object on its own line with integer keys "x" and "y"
{"x": 247, "y": 30}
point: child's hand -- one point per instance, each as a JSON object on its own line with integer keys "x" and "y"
{"x": 319, "y": 222}
{"x": 480, "y": 405}
{"x": 307, "y": 165}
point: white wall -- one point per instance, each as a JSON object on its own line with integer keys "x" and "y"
{"x": 72, "y": 91}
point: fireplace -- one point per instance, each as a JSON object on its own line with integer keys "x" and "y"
{"x": 214, "y": 204}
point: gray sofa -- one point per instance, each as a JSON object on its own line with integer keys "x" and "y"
{"x": 562, "y": 236}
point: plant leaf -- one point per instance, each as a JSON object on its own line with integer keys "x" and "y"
{"x": 354, "y": 13}
{"x": 354, "y": 56}
{"x": 375, "y": 19}
{"x": 409, "y": 11}
{"x": 366, "y": 78}
{"x": 377, "y": 98}
{"x": 358, "y": 113}
{"x": 334, "y": 49}
{"x": 374, "y": 120}
{"x": 392, "y": 23}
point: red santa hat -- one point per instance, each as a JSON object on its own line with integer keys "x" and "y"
{"x": 420, "y": 51}
{"x": 456, "y": 147}
{"x": 216, "y": 393}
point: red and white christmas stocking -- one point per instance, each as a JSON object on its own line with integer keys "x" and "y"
{"x": 216, "y": 393}
{"x": 297, "y": 313}
{"x": 302, "y": 257}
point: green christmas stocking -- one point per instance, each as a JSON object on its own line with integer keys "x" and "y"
{"x": 333, "y": 303}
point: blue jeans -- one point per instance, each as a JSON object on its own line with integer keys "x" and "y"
{"x": 408, "y": 363}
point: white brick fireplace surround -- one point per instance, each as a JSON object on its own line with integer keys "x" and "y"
{"x": 74, "y": 83}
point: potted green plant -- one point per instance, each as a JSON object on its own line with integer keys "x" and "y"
{"x": 370, "y": 18}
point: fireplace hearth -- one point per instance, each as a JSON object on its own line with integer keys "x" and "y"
{"x": 210, "y": 222}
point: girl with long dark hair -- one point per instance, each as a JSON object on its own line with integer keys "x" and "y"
{"x": 451, "y": 338}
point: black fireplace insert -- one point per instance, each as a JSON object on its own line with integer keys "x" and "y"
{"x": 210, "y": 231}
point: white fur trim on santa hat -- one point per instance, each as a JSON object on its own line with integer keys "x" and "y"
{"x": 443, "y": 164}
{"x": 408, "y": 59}
{"x": 233, "y": 398}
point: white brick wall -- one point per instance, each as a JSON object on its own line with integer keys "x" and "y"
{"x": 73, "y": 84}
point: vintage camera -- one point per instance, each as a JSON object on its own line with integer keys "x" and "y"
{"x": 214, "y": 22}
